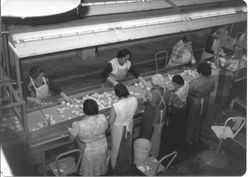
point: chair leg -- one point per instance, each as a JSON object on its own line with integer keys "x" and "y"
{"x": 218, "y": 147}
{"x": 156, "y": 65}
{"x": 166, "y": 62}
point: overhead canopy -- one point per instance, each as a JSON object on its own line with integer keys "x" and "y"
{"x": 36, "y": 8}
{"x": 40, "y": 42}
{"x": 104, "y": 7}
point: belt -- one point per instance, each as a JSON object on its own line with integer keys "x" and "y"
{"x": 80, "y": 141}
{"x": 201, "y": 101}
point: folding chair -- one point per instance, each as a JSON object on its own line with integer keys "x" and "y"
{"x": 152, "y": 167}
{"x": 161, "y": 54}
{"x": 66, "y": 166}
{"x": 213, "y": 157}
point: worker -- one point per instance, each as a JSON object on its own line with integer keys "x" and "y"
{"x": 199, "y": 90}
{"x": 154, "y": 116}
{"x": 121, "y": 122}
{"x": 39, "y": 87}
{"x": 182, "y": 53}
{"x": 92, "y": 140}
{"x": 117, "y": 69}
{"x": 219, "y": 97}
{"x": 240, "y": 44}
{"x": 213, "y": 44}
{"x": 174, "y": 131}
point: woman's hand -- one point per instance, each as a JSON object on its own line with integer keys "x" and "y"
{"x": 147, "y": 96}
{"x": 66, "y": 98}
{"x": 37, "y": 101}
{"x": 193, "y": 61}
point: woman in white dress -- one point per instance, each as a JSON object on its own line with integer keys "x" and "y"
{"x": 121, "y": 121}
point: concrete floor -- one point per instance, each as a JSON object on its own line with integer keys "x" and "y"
{"x": 73, "y": 73}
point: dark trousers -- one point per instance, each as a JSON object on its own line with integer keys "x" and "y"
{"x": 173, "y": 132}
{"x": 195, "y": 120}
{"x": 147, "y": 125}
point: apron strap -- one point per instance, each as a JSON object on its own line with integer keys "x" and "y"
{"x": 202, "y": 105}
{"x": 161, "y": 110}
{"x": 161, "y": 97}
{"x": 32, "y": 82}
{"x": 44, "y": 80}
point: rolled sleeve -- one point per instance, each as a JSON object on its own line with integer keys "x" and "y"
{"x": 133, "y": 71}
{"x": 55, "y": 88}
{"x": 28, "y": 89}
{"x": 107, "y": 70}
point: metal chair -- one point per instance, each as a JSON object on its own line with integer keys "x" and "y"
{"x": 66, "y": 166}
{"x": 161, "y": 54}
{"x": 152, "y": 167}
{"x": 213, "y": 157}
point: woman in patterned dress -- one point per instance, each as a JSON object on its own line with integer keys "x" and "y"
{"x": 92, "y": 140}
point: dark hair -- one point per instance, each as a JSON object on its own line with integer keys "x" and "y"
{"x": 204, "y": 68}
{"x": 123, "y": 53}
{"x": 90, "y": 107}
{"x": 35, "y": 71}
{"x": 178, "y": 79}
{"x": 186, "y": 39}
{"x": 121, "y": 91}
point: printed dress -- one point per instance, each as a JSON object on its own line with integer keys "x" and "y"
{"x": 92, "y": 141}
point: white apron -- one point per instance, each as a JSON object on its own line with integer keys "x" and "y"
{"x": 125, "y": 109}
{"x": 42, "y": 91}
{"x": 119, "y": 72}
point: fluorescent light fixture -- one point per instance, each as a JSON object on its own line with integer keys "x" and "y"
{"x": 212, "y": 13}
{"x": 75, "y": 31}
{"x": 113, "y": 2}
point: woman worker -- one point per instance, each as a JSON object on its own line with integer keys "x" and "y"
{"x": 154, "y": 115}
{"x": 182, "y": 53}
{"x": 213, "y": 44}
{"x": 121, "y": 121}
{"x": 117, "y": 69}
{"x": 173, "y": 132}
{"x": 39, "y": 87}
{"x": 199, "y": 90}
{"x": 90, "y": 132}
{"x": 219, "y": 97}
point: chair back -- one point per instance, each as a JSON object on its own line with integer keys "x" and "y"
{"x": 161, "y": 54}
{"x": 74, "y": 151}
{"x": 238, "y": 124}
{"x": 172, "y": 157}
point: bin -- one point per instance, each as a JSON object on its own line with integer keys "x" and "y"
{"x": 142, "y": 148}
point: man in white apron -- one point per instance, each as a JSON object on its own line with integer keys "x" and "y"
{"x": 117, "y": 69}
{"x": 182, "y": 53}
